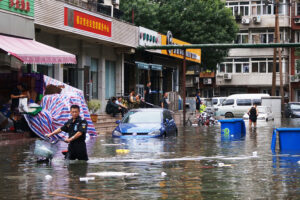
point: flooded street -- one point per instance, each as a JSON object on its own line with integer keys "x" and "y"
{"x": 196, "y": 164}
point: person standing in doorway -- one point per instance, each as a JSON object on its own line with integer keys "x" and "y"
{"x": 164, "y": 103}
{"x": 198, "y": 102}
{"x": 253, "y": 113}
{"x": 76, "y": 127}
{"x": 147, "y": 93}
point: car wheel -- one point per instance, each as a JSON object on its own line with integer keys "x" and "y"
{"x": 228, "y": 115}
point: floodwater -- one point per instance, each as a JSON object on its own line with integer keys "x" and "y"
{"x": 197, "y": 164}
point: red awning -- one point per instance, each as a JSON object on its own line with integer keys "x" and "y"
{"x": 33, "y": 52}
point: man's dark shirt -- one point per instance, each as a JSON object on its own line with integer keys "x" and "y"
{"x": 77, "y": 147}
{"x": 147, "y": 94}
{"x": 165, "y": 103}
{"x": 15, "y": 102}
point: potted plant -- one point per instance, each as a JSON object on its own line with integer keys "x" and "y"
{"x": 94, "y": 105}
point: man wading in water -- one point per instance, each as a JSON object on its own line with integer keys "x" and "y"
{"x": 76, "y": 128}
{"x": 253, "y": 112}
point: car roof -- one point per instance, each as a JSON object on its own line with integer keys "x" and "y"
{"x": 250, "y": 95}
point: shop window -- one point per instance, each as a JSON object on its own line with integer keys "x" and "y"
{"x": 238, "y": 68}
{"x": 94, "y": 78}
{"x": 47, "y": 70}
{"x": 262, "y": 67}
{"x": 110, "y": 79}
{"x": 228, "y": 68}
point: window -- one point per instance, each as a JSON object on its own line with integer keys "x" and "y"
{"x": 255, "y": 67}
{"x": 245, "y": 68}
{"x": 238, "y": 68}
{"x": 256, "y": 7}
{"x": 239, "y": 8}
{"x": 297, "y": 66}
{"x": 45, "y": 69}
{"x": 242, "y": 39}
{"x": 263, "y": 38}
{"x": 262, "y": 67}
{"x": 243, "y": 102}
{"x": 270, "y": 67}
{"x": 222, "y": 68}
{"x": 257, "y": 102}
{"x": 110, "y": 79}
{"x": 228, "y": 102}
{"x": 94, "y": 78}
{"x": 228, "y": 68}
{"x": 297, "y": 9}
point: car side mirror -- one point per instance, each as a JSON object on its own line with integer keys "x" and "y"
{"x": 118, "y": 122}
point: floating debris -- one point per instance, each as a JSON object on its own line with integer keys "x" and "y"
{"x": 163, "y": 174}
{"x": 48, "y": 177}
{"x": 122, "y": 151}
{"x": 86, "y": 179}
{"x": 110, "y": 174}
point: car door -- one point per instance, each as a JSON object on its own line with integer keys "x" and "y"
{"x": 242, "y": 107}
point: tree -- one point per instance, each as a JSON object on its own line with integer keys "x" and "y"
{"x": 194, "y": 21}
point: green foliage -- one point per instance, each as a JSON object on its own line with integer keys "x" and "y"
{"x": 194, "y": 21}
{"x": 94, "y": 105}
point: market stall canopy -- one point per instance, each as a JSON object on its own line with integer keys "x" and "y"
{"x": 33, "y": 52}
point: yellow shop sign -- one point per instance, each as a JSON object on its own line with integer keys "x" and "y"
{"x": 191, "y": 54}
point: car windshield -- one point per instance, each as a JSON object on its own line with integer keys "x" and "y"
{"x": 142, "y": 117}
{"x": 295, "y": 106}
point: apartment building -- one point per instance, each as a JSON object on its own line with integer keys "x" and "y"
{"x": 250, "y": 70}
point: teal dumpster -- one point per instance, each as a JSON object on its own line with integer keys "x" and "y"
{"x": 289, "y": 139}
{"x": 233, "y": 128}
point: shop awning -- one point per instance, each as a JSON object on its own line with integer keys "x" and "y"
{"x": 33, "y": 52}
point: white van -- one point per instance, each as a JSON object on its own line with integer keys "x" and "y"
{"x": 236, "y": 105}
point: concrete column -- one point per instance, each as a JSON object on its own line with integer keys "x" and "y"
{"x": 120, "y": 75}
{"x": 101, "y": 78}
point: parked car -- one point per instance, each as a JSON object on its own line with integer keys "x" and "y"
{"x": 264, "y": 113}
{"x": 146, "y": 123}
{"x": 292, "y": 109}
{"x": 236, "y": 105}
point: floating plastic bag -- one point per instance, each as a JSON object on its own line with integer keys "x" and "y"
{"x": 44, "y": 149}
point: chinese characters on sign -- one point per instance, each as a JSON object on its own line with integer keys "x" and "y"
{"x": 87, "y": 22}
{"x": 23, "y": 7}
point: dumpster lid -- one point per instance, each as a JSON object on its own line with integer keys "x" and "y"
{"x": 232, "y": 120}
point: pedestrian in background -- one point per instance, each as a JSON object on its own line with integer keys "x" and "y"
{"x": 147, "y": 93}
{"x": 253, "y": 113}
{"x": 164, "y": 103}
{"x": 198, "y": 101}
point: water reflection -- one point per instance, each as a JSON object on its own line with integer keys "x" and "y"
{"x": 197, "y": 164}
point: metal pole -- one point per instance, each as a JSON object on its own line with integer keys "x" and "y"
{"x": 183, "y": 85}
{"x": 275, "y": 51}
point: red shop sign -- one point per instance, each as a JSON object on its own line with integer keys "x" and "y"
{"x": 89, "y": 23}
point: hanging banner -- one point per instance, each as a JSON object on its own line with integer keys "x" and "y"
{"x": 23, "y": 7}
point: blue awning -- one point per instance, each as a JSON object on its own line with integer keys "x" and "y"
{"x": 142, "y": 65}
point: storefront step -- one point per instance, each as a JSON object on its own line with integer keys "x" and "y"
{"x": 13, "y": 135}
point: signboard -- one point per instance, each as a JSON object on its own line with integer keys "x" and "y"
{"x": 23, "y": 7}
{"x": 149, "y": 37}
{"x": 86, "y": 22}
{"x": 191, "y": 54}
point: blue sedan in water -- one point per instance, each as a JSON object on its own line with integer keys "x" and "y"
{"x": 146, "y": 123}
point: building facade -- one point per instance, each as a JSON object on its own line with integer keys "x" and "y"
{"x": 250, "y": 70}
{"x": 98, "y": 40}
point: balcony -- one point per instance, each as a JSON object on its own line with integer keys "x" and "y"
{"x": 96, "y": 6}
{"x": 249, "y": 79}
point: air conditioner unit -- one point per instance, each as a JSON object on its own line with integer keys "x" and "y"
{"x": 294, "y": 79}
{"x": 207, "y": 81}
{"x": 196, "y": 79}
{"x": 227, "y": 76}
{"x": 257, "y": 19}
{"x": 297, "y": 20}
{"x": 245, "y": 21}
{"x": 115, "y": 2}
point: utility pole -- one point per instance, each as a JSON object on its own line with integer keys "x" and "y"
{"x": 277, "y": 37}
{"x": 183, "y": 86}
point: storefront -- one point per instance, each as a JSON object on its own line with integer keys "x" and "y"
{"x": 99, "y": 43}
{"x": 161, "y": 67}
